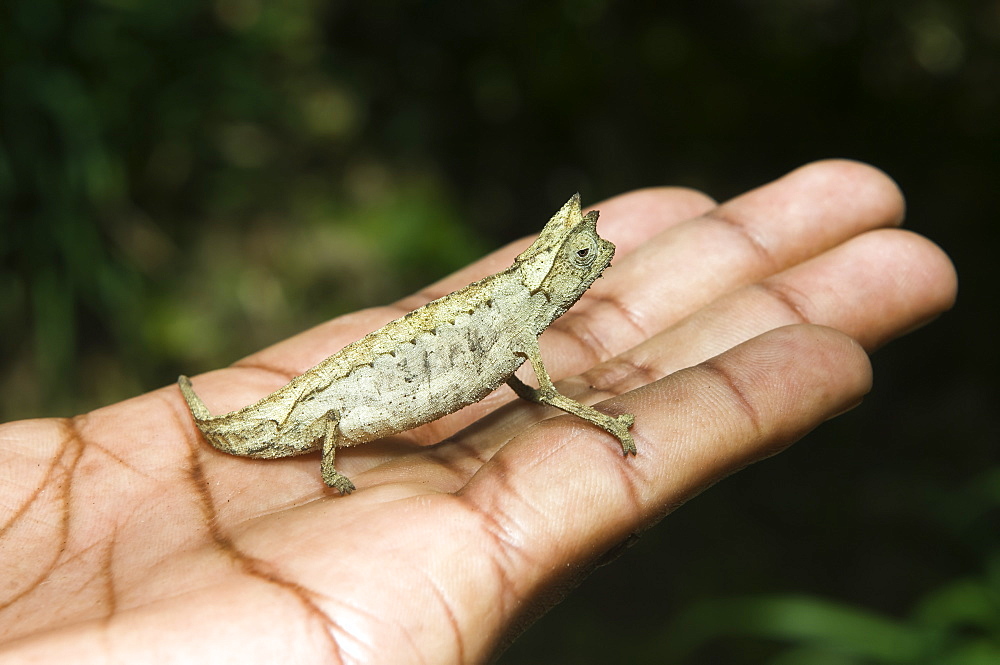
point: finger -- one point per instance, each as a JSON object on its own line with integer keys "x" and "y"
{"x": 749, "y": 238}
{"x": 875, "y": 287}
{"x": 559, "y": 495}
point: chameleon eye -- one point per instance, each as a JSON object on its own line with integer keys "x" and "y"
{"x": 583, "y": 249}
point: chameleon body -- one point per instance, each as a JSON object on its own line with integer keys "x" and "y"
{"x": 448, "y": 354}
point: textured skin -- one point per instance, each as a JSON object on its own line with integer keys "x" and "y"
{"x": 441, "y": 357}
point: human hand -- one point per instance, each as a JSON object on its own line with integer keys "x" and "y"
{"x": 124, "y": 536}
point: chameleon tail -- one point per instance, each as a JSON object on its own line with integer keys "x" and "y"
{"x": 231, "y": 432}
{"x": 198, "y": 408}
{"x": 218, "y": 430}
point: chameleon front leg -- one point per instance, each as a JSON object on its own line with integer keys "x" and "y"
{"x": 546, "y": 393}
{"x": 331, "y": 476}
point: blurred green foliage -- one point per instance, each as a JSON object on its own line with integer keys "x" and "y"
{"x": 956, "y": 624}
{"x": 183, "y": 183}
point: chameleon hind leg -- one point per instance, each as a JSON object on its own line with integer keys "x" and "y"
{"x": 331, "y": 476}
{"x": 546, "y": 393}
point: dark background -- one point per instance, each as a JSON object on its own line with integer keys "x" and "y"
{"x": 182, "y": 183}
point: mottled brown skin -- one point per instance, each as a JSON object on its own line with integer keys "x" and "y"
{"x": 448, "y": 354}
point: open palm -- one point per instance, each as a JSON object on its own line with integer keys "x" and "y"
{"x": 124, "y": 536}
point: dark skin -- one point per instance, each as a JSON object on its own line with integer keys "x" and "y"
{"x": 125, "y": 536}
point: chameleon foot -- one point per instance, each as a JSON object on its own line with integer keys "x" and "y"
{"x": 618, "y": 426}
{"x": 338, "y": 481}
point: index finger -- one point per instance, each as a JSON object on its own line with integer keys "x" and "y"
{"x": 746, "y": 239}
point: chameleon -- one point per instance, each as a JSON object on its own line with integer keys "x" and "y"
{"x": 443, "y": 356}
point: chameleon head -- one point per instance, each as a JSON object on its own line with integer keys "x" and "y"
{"x": 567, "y": 256}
